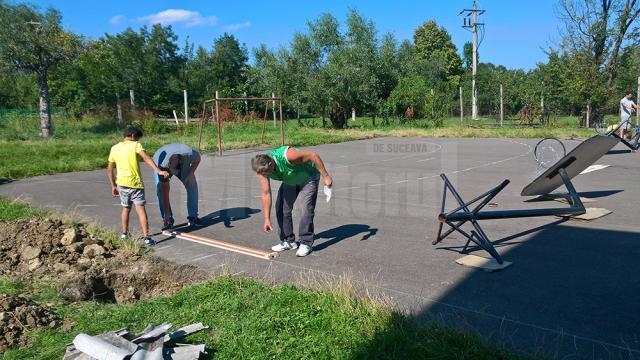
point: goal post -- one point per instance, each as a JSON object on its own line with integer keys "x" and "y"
{"x": 215, "y": 105}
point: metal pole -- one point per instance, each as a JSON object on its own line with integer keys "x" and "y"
{"x": 281, "y": 125}
{"x": 132, "y": 99}
{"x": 588, "y": 114}
{"x": 542, "y": 100}
{"x": 264, "y": 122}
{"x": 175, "y": 117}
{"x": 246, "y": 105}
{"x": 432, "y": 101}
{"x": 273, "y": 109}
{"x": 461, "y": 109}
{"x": 119, "y": 108}
{"x": 501, "y": 107}
{"x": 202, "y": 119}
{"x": 186, "y": 108}
{"x": 219, "y": 122}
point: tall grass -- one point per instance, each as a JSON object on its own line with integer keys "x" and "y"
{"x": 15, "y": 210}
{"x": 251, "y": 320}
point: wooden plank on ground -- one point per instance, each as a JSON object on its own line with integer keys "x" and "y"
{"x": 222, "y": 245}
{"x": 592, "y": 214}
{"x": 482, "y": 263}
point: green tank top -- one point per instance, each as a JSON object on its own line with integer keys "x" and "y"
{"x": 288, "y": 173}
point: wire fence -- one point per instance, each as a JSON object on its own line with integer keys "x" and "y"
{"x": 4, "y": 113}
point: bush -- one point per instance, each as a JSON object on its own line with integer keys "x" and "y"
{"x": 149, "y": 125}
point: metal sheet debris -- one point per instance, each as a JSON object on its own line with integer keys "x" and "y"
{"x": 153, "y": 343}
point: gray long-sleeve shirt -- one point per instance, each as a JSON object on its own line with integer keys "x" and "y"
{"x": 174, "y": 156}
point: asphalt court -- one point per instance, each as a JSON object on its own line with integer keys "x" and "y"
{"x": 572, "y": 289}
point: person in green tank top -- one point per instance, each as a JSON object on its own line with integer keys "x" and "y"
{"x": 299, "y": 171}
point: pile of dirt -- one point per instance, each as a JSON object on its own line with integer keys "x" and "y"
{"x": 18, "y": 316}
{"x": 87, "y": 266}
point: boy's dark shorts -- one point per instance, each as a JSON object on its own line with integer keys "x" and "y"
{"x": 130, "y": 196}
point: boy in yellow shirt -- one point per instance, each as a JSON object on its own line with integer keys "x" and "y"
{"x": 128, "y": 184}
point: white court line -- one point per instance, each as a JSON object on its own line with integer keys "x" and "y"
{"x": 499, "y": 161}
{"x": 202, "y": 257}
{"x": 427, "y": 159}
{"x": 463, "y": 170}
{"x": 592, "y": 168}
{"x": 438, "y": 148}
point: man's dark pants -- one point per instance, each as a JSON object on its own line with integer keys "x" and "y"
{"x": 287, "y": 195}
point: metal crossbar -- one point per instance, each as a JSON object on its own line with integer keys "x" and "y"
{"x": 456, "y": 218}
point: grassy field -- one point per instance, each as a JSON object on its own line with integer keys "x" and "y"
{"x": 252, "y": 320}
{"x": 80, "y": 145}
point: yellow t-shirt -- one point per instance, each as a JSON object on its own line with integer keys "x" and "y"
{"x": 124, "y": 155}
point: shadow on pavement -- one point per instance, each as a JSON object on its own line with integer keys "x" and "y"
{"x": 572, "y": 292}
{"x": 225, "y": 216}
{"x": 584, "y": 194}
{"x": 343, "y": 232}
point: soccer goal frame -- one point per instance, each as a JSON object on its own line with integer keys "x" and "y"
{"x": 215, "y": 113}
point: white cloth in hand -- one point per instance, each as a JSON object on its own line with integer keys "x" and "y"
{"x": 327, "y": 192}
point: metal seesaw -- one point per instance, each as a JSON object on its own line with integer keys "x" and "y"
{"x": 634, "y": 144}
{"x": 561, "y": 173}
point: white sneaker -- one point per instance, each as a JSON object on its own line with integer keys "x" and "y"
{"x": 285, "y": 245}
{"x": 304, "y": 250}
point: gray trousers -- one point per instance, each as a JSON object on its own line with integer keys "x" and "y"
{"x": 287, "y": 195}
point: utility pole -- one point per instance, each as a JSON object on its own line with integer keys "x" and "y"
{"x": 471, "y": 23}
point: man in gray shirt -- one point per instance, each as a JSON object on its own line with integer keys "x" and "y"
{"x": 181, "y": 161}
{"x": 627, "y": 106}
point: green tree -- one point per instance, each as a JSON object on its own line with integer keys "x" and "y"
{"x": 431, "y": 41}
{"x": 467, "y": 52}
{"x": 596, "y": 34}
{"x": 228, "y": 65}
{"x": 349, "y": 73}
{"x": 34, "y": 41}
{"x": 301, "y": 67}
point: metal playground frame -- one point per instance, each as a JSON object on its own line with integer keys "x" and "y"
{"x": 561, "y": 173}
{"x": 215, "y": 112}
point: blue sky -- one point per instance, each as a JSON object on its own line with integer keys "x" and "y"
{"x": 516, "y": 32}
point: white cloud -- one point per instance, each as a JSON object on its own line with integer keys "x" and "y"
{"x": 179, "y": 16}
{"x": 234, "y": 27}
{"x": 118, "y": 19}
